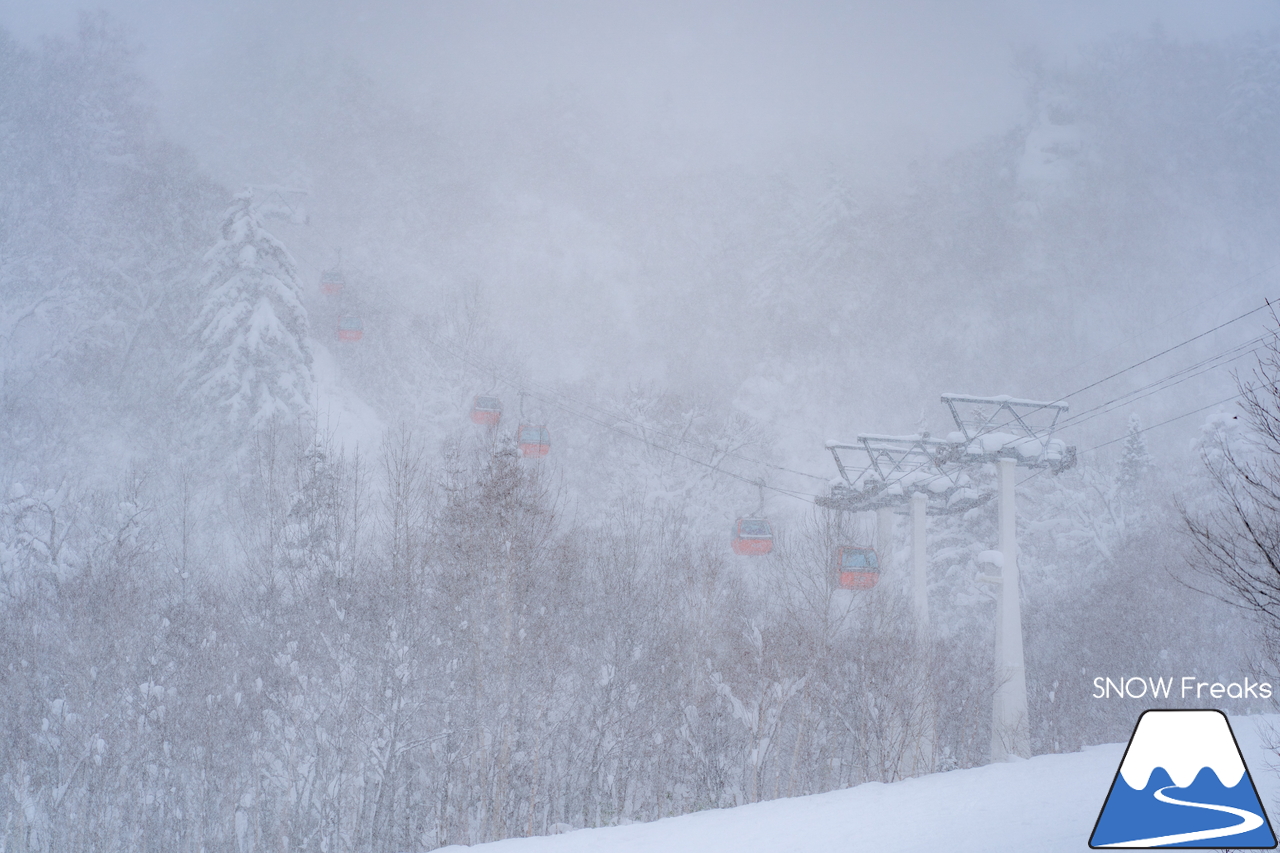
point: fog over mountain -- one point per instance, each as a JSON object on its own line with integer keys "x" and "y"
{"x": 259, "y": 262}
{"x": 625, "y": 179}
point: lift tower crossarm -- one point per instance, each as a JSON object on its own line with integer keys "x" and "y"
{"x": 898, "y": 455}
{"x": 835, "y": 447}
{"x": 897, "y": 466}
{"x": 1008, "y": 427}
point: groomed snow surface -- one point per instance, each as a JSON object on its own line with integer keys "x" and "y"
{"x": 1044, "y": 805}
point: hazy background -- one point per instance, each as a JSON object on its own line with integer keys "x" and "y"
{"x": 652, "y": 192}
{"x": 261, "y": 587}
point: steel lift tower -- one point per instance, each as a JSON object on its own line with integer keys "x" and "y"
{"x": 902, "y": 471}
{"x": 932, "y": 475}
{"x": 1010, "y": 433}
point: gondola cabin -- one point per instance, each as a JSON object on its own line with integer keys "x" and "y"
{"x": 752, "y": 537}
{"x": 486, "y": 411}
{"x": 855, "y": 567}
{"x": 332, "y": 282}
{"x": 534, "y": 441}
{"x": 350, "y": 329}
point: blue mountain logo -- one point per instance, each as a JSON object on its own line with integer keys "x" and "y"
{"x": 1183, "y": 783}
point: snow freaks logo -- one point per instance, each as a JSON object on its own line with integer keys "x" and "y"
{"x": 1189, "y": 687}
{"x": 1182, "y": 783}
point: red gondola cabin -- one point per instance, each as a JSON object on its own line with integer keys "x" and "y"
{"x": 856, "y": 568}
{"x": 534, "y": 441}
{"x": 332, "y": 282}
{"x": 486, "y": 411}
{"x": 752, "y": 537}
{"x": 350, "y": 329}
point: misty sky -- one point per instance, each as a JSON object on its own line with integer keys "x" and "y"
{"x": 731, "y": 80}
{"x": 679, "y": 88}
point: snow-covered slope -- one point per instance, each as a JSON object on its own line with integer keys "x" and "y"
{"x": 1047, "y": 804}
{"x": 352, "y": 422}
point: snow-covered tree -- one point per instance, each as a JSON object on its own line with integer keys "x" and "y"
{"x": 1135, "y": 462}
{"x": 99, "y": 215}
{"x": 252, "y": 360}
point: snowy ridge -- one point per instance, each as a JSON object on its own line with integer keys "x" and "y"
{"x": 1183, "y": 743}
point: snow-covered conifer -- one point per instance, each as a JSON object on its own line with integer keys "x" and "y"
{"x": 1251, "y": 104}
{"x": 252, "y": 359}
{"x": 1135, "y": 460}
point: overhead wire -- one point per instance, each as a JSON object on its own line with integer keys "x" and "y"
{"x": 1169, "y": 421}
{"x": 1213, "y": 362}
{"x": 1215, "y": 298}
{"x": 682, "y": 439}
{"x": 1236, "y": 286}
{"x": 1235, "y": 352}
{"x": 1265, "y": 304}
{"x": 496, "y": 372}
{"x": 1144, "y": 430}
{"x": 1206, "y": 365}
{"x": 556, "y": 399}
{"x": 1220, "y": 359}
{"x": 553, "y": 397}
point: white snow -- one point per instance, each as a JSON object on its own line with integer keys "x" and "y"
{"x": 1047, "y": 804}
{"x": 1028, "y": 448}
{"x": 1003, "y": 399}
{"x": 352, "y": 422}
{"x": 992, "y": 558}
{"x": 993, "y": 442}
{"x": 874, "y": 437}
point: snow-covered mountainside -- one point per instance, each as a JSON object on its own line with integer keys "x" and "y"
{"x": 271, "y": 579}
{"x": 1047, "y": 804}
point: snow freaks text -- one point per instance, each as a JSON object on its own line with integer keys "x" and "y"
{"x": 1185, "y": 687}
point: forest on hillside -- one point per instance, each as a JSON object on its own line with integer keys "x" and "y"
{"x": 264, "y": 588}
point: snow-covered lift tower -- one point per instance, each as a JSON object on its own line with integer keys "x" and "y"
{"x": 904, "y": 471}
{"x": 901, "y": 471}
{"x": 1011, "y": 433}
{"x": 929, "y": 474}
{"x": 999, "y": 427}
